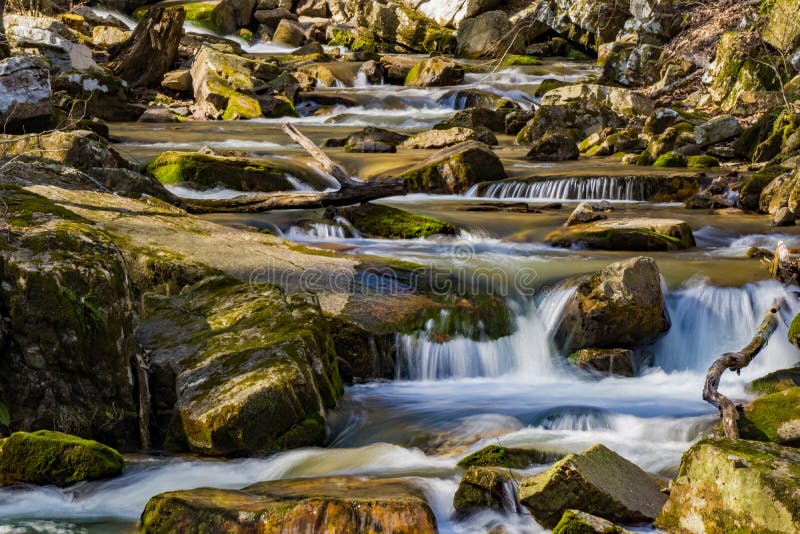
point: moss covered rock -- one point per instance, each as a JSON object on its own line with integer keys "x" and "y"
{"x": 499, "y": 456}
{"x": 622, "y": 101}
{"x": 670, "y": 159}
{"x": 622, "y": 305}
{"x": 435, "y": 72}
{"x": 619, "y": 362}
{"x": 239, "y": 355}
{"x": 776, "y": 381}
{"x": 728, "y": 486}
{"x": 702, "y": 162}
{"x": 455, "y": 169}
{"x": 582, "y": 118}
{"x": 625, "y": 234}
{"x": 222, "y": 81}
{"x": 577, "y": 522}
{"x": 774, "y": 417}
{"x": 335, "y": 504}
{"x": 597, "y": 481}
{"x": 45, "y": 457}
{"x": 206, "y": 171}
{"x": 81, "y": 149}
{"x": 484, "y": 488}
{"x": 377, "y": 220}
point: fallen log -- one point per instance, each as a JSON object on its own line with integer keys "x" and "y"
{"x": 736, "y": 361}
{"x": 350, "y": 191}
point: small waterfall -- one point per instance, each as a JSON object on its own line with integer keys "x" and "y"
{"x": 340, "y": 229}
{"x": 599, "y": 188}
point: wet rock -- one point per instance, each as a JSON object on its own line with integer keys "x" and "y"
{"x": 226, "y": 383}
{"x": 46, "y": 457}
{"x": 674, "y": 139}
{"x": 717, "y": 130}
{"x": 475, "y": 118}
{"x": 449, "y": 137}
{"x": 774, "y": 418}
{"x": 373, "y": 72}
{"x": 621, "y": 306}
{"x": 109, "y": 35}
{"x": 81, "y": 149}
{"x": 785, "y": 264}
{"x": 484, "y": 488}
{"x": 158, "y": 114}
{"x": 582, "y": 117}
{"x": 605, "y": 362}
{"x": 783, "y": 217}
{"x": 514, "y": 458}
{"x": 435, "y": 72}
{"x": 397, "y": 68}
{"x": 372, "y": 139}
{"x": 584, "y": 213}
{"x": 553, "y": 146}
{"x": 715, "y": 474}
{"x": 597, "y": 481}
{"x": 705, "y": 201}
{"x": 223, "y": 86}
{"x": 178, "y": 80}
{"x": 25, "y": 95}
{"x": 779, "y": 380}
{"x": 312, "y": 505}
{"x": 672, "y": 159}
{"x": 69, "y": 341}
{"x": 377, "y": 220}
{"x": 702, "y": 162}
{"x": 626, "y": 234}
{"x": 622, "y": 101}
{"x": 206, "y": 171}
{"x": 516, "y": 121}
{"x": 486, "y": 35}
{"x": 455, "y": 169}
{"x": 577, "y": 522}
{"x": 289, "y": 32}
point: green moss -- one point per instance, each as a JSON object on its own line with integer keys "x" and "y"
{"x": 439, "y": 40}
{"x": 88, "y": 313}
{"x": 377, "y": 220}
{"x": 204, "y": 15}
{"x": 776, "y": 381}
{"x": 364, "y": 42}
{"x": 499, "y": 456}
{"x": 205, "y": 170}
{"x": 246, "y": 34}
{"x": 578, "y": 55}
{"x": 576, "y": 522}
{"x": 512, "y": 60}
{"x": 548, "y": 84}
{"x": 763, "y": 417}
{"x": 794, "y": 331}
{"x": 701, "y": 162}
{"x": 670, "y": 159}
{"x": 242, "y": 107}
{"x": 46, "y": 457}
{"x": 5, "y": 416}
{"x": 341, "y": 38}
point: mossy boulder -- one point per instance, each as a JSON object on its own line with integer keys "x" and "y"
{"x": 435, "y": 72}
{"x": 577, "y": 522}
{"x": 515, "y": 458}
{"x": 313, "y": 505}
{"x": 238, "y": 355}
{"x": 734, "y": 486}
{"x": 484, "y": 488}
{"x": 377, "y": 220}
{"x": 625, "y": 234}
{"x": 206, "y": 171}
{"x": 46, "y": 457}
{"x": 670, "y": 159}
{"x": 776, "y": 381}
{"x": 82, "y": 149}
{"x": 221, "y": 81}
{"x": 68, "y": 340}
{"x": 782, "y": 29}
{"x": 774, "y": 417}
{"x": 622, "y": 305}
{"x": 622, "y": 101}
{"x": 597, "y": 481}
{"x": 783, "y": 191}
{"x": 769, "y": 137}
{"x": 702, "y": 162}
{"x": 454, "y": 169}
{"x": 582, "y": 118}
{"x": 372, "y": 139}
{"x": 608, "y": 362}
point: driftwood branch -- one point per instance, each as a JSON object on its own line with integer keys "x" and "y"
{"x": 350, "y": 191}
{"x": 736, "y": 361}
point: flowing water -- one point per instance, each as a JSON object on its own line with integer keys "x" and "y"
{"x": 454, "y": 397}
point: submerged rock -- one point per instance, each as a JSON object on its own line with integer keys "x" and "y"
{"x": 774, "y": 417}
{"x": 577, "y": 522}
{"x": 597, "y": 481}
{"x": 309, "y": 505}
{"x": 45, "y": 457}
{"x": 734, "y": 486}
{"x": 455, "y": 169}
{"x": 625, "y": 234}
{"x": 252, "y": 370}
{"x": 515, "y": 458}
{"x": 485, "y": 488}
{"x": 372, "y": 139}
{"x": 377, "y": 220}
{"x": 622, "y": 305}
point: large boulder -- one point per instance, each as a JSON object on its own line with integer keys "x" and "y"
{"x": 46, "y": 457}
{"x": 782, "y": 29}
{"x": 223, "y": 86}
{"x": 640, "y": 234}
{"x": 377, "y": 220}
{"x": 435, "y": 72}
{"x": 714, "y": 131}
{"x": 81, "y": 149}
{"x": 577, "y": 522}
{"x": 783, "y": 191}
{"x": 310, "y": 505}
{"x": 553, "y": 146}
{"x": 774, "y": 417}
{"x": 68, "y": 341}
{"x": 622, "y": 101}
{"x": 52, "y": 39}
{"x": 370, "y": 139}
{"x": 622, "y": 305}
{"x": 597, "y": 481}
{"x": 514, "y": 458}
{"x": 589, "y": 23}
{"x": 25, "y": 94}
{"x": 475, "y": 118}
{"x": 449, "y": 137}
{"x": 289, "y": 33}
{"x": 487, "y": 35}
{"x": 98, "y": 94}
{"x": 450, "y": 13}
{"x": 583, "y": 118}
{"x": 484, "y": 488}
{"x": 455, "y": 169}
{"x": 734, "y": 486}
{"x": 251, "y": 370}
{"x": 630, "y": 63}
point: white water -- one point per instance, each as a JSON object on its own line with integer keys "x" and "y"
{"x": 608, "y": 188}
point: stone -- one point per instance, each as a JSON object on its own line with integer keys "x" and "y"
{"x": 109, "y": 35}
{"x": 714, "y": 131}
{"x": 554, "y": 146}
{"x": 484, "y": 488}
{"x": 25, "y": 95}
{"x": 386, "y": 222}
{"x": 641, "y": 234}
{"x": 475, "y": 118}
{"x": 715, "y": 475}
{"x": 158, "y": 114}
{"x": 486, "y": 36}
{"x": 273, "y": 17}
{"x": 513, "y": 458}
{"x": 45, "y": 457}
{"x": 610, "y": 362}
{"x": 373, "y": 72}
{"x": 372, "y": 139}
{"x": 774, "y": 417}
{"x": 577, "y": 522}
{"x": 584, "y": 213}
{"x": 101, "y": 94}
{"x": 223, "y": 85}
{"x": 782, "y": 29}
{"x": 582, "y": 117}
{"x": 313, "y": 505}
{"x": 289, "y": 33}
{"x": 597, "y": 481}
{"x": 52, "y": 39}
{"x": 81, "y": 149}
{"x": 227, "y": 384}
{"x": 621, "y": 306}
{"x": 450, "y": 13}
{"x": 435, "y": 72}
{"x": 782, "y": 379}
{"x": 589, "y": 23}
{"x": 312, "y": 8}
{"x": 454, "y": 169}
{"x": 622, "y": 101}
{"x": 397, "y": 68}
{"x": 783, "y": 217}
{"x": 178, "y": 80}
{"x": 451, "y": 136}
{"x": 630, "y": 64}
{"x": 781, "y": 191}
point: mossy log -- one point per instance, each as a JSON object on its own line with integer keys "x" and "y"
{"x": 350, "y": 191}
{"x": 736, "y": 361}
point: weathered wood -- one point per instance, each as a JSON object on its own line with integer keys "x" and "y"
{"x": 325, "y": 163}
{"x": 736, "y": 361}
{"x": 150, "y": 51}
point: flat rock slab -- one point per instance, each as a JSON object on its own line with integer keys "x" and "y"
{"x": 638, "y": 234}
